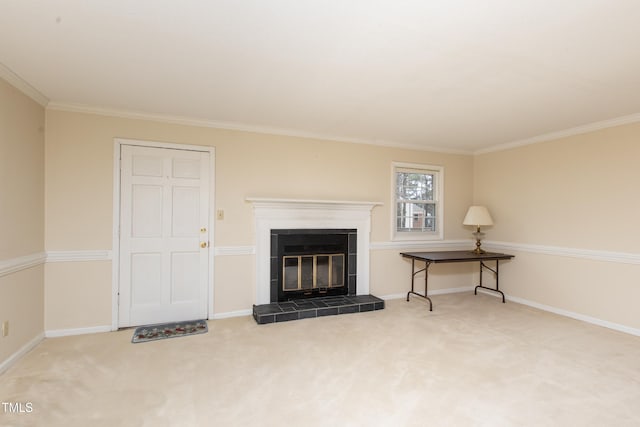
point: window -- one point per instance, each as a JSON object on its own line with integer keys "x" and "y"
{"x": 418, "y": 206}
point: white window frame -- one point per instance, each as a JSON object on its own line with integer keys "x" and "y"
{"x": 438, "y": 172}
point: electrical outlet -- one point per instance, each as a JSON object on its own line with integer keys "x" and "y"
{"x": 5, "y": 328}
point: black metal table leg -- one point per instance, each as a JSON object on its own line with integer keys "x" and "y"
{"x": 497, "y": 273}
{"x": 426, "y": 281}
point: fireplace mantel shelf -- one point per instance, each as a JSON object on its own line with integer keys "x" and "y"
{"x": 278, "y": 202}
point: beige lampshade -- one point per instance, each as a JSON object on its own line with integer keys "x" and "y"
{"x": 477, "y": 215}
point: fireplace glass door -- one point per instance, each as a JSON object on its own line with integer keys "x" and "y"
{"x": 309, "y": 272}
{"x": 312, "y": 263}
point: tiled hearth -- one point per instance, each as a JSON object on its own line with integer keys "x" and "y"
{"x": 315, "y": 307}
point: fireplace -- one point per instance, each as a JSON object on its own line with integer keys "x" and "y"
{"x": 308, "y": 263}
{"x": 280, "y": 214}
{"x": 312, "y": 219}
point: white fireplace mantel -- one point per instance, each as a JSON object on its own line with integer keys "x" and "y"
{"x": 272, "y": 213}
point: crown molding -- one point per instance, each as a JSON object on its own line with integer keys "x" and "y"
{"x": 22, "y": 85}
{"x": 242, "y": 127}
{"x": 591, "y": 127}
{"x": 187, "y": 121}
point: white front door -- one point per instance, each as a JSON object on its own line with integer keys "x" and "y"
{"x": 164, "y": 248}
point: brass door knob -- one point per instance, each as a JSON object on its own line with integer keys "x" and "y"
{"x": 203, "y": 245}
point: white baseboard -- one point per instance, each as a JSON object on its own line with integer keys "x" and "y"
{"x": 577, "y": 316}
{"x": 450, "y": 291}
{"x": 566, "y": 313}
{"x": 20, "y": 353}
{"x": 228, "y": 314}
{"x": 435, "y": 292}
{"x": 393, "y": 296}
{"x": 55, "y": 333}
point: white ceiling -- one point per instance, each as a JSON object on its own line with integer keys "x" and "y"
{"x": 455, "y": 75}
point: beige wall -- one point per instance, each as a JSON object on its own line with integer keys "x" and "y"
{"x": 566, "y": 208}
{"x": 21, "y": 216}
{"x": 79, "y": 157}
{"x": 78, "y": 295}
{"x": 576, "y": 201}
{"x": 21, "y": 173}
{"x": 22, "y": 304}
{"x": 79, "y": 193}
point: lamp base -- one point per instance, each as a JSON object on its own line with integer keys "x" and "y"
{"x": 478, "y": 235}
{"x": 478, "y": 251}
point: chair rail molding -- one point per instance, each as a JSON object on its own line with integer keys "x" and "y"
{"x": 13, "y": 265}
{"x": 78, "y": 256}
{"x": 590, "y": 254}
{"x": 427, "y": 245}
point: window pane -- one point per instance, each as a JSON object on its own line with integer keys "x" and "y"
{"x": 414, "y": 186}
{"x": 416, "y": 217}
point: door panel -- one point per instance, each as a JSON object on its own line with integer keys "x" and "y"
{"x": 147, "y": 166}
{"x": 185, "y": 221}
{"x": 146, "y": 272}
{"x": 184, "y": 276}
{"x": 186, "y": 168}
{"x": 146, "y": 210}
{"x": 164, "y": 205}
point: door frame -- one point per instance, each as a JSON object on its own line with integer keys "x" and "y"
{"x": 115, "y": 259}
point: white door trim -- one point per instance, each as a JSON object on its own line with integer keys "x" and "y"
{"x": 115, "y": 262}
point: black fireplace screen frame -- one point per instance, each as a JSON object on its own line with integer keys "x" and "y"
{"x": 287, "y": 242}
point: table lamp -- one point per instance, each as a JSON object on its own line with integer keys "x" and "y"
{"x": 477, "y": 216}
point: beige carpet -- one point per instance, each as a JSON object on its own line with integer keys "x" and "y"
{"x": 473, "y": 361}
